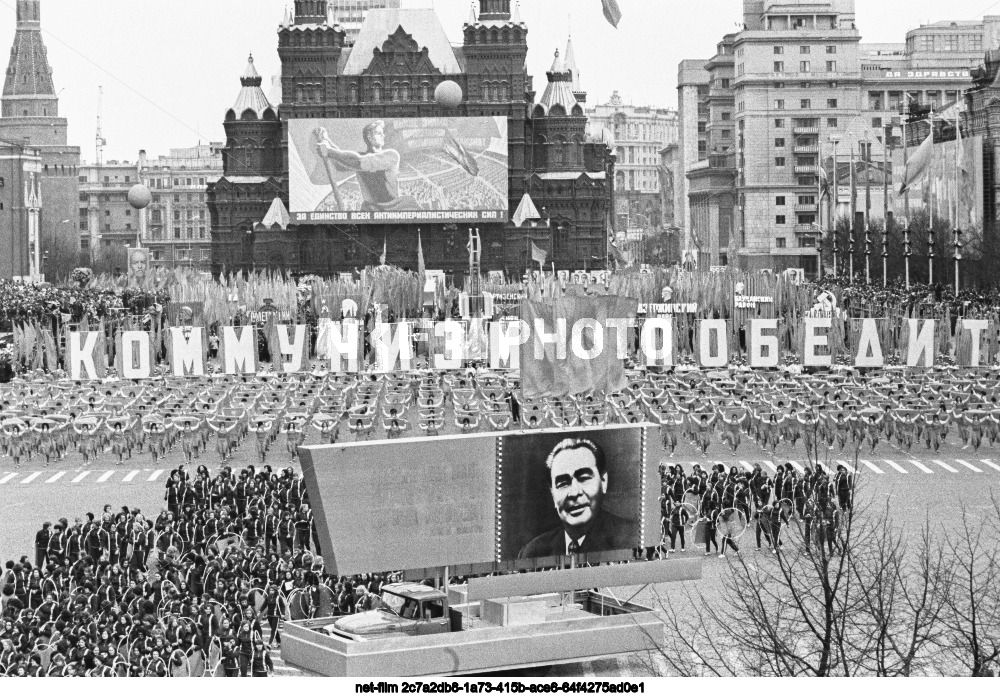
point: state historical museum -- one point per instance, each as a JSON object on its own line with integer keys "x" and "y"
{"x": 392, "y": 70}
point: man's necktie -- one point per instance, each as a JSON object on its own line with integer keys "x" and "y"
{"x": 574, "y": 547}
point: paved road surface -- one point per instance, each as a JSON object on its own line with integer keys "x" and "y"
{"x": 918, "y": 483}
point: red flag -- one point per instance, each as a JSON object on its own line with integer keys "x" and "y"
{"x": 612, "y": 12}
{"x": 555, "y": 376}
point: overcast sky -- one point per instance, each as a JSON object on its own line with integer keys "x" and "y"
{"x": 170, "y": 69}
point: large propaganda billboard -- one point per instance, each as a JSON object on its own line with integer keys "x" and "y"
{"x": 398, "y": 171}
{"x": 516, "y": 498}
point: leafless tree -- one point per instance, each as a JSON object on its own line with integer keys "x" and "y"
{"x": 869, "y": 600}
{"x": 972, "y": 618}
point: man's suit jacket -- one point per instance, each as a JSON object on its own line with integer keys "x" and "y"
{"x": 609, "y": 532}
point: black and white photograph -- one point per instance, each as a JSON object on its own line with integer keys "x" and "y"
{"x": 567, "y": 493}
{"x": 469, "y": 346}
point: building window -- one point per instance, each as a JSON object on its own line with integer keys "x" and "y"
{"x": 779, "y": 200}
{"x": 779, "y": 142}
{"x": 831, "y": 123}
{"x": 806, "y": 180}
{"x": 779, "y": 85}
{"x": 779, "y": 50}
{"x": 779, "y": 242}
{"x": 809, "y": 200}
{"x": 806, "y": 218}
{"x": 177, "y": 233}
{"x": 875, "y": 101}
{"x": 877, "y": 122}
{"x": 831, "y": 103}
{"x": 779, "y": 123}
{"x": 779, "y": 162}
{"x": 804, "y": 66}
{"x": 831, "y": 49}
{"x": 779, "y": 66}
{"x": 206, "y": 254}
{"x": 779, "y": 220}
{"x": 831, "y": 66}
{"x": 201, "y": 233}
{"x": 950, "y": 43}
{"x": 727, "y": 116}
{"x": 805, "y": 50}
{"x": 779, "y": 103}
{"x": 805, "y": 103}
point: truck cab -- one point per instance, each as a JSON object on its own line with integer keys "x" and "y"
{"x": 410, "y": 609}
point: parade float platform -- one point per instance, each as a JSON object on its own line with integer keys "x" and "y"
{"x": 554, "y": 625}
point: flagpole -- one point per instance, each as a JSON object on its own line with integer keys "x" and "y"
{"x": 854, "y": 210}
{"x": 885, "y": 205}
{"x": 958, "y": 182}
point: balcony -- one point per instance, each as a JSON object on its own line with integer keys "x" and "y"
{"x": 806, "y": 169}
{"x": 806, "y": 149}
{"x": 805, "y": 130}
{"x": 805, "y": 207}
{"x": 807, "y": 228}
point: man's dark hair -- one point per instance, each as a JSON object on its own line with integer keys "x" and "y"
{"x": 579, "y": 444}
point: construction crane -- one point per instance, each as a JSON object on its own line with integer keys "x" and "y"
{"x": 100, "y": 138}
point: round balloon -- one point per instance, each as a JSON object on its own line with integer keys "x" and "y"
{"x": 448, "y": 94}
{"x": 139, "y": 197}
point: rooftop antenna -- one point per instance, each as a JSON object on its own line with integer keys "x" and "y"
{"x": 99, "y": 140}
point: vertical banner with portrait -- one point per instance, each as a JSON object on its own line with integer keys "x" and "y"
{"x": 564, "y": 491}
{"x": 138, "y": 261}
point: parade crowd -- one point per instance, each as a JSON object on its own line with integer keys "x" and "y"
{"x": 201, "y": 588}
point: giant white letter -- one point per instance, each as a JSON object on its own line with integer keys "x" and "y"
{"x": 506, "y": 339}
{"x": 921, "y": 345}
{"x": 81, "y": 355}
{"x": 239, "y": 352}
{"x": 343, "y": 346}
{"x": 134, "y": 356}
{"x": 758, "y": 342}
{"x": 187, "y": 355}
{"x": 869, "y": 342}
{"x": 576, "y": 339}
{"x": 707, "y": 359}
{"x": 390, "y": 349}
{"x": 976, "y": 328}
{"x": 298, "y": 349}
{"x": 656, "y": 341}
{"x": 556, "y": 339}
{"x": 453, "y": 334}
{"x": 813, "y": 341}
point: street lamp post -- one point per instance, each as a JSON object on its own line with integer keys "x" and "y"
{"x": 958, "y": 255}
{"x": 834, "y": 200}
{"x": 930, "y": 256}
{"x": 906, "y": 252}
{"x": 868, "y": 255}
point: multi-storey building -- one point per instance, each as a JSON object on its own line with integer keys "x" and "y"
{"x": 392, "y": 70}
{"x": 797, "y": 83}
{"x": 929, "y": 71}
{"x": 177, "y": 228}
{"x": 30, "y": 115}
{"x": 711, "y": 181}
{"x": 640, "y": 133}
{"x": 692, "y": 139}
{"x": 350, "y": 14}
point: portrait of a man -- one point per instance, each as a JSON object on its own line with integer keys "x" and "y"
{"x": 579, "y": 481}
{"x": 377, "y": 169}
{"x": 138, "y": 261}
